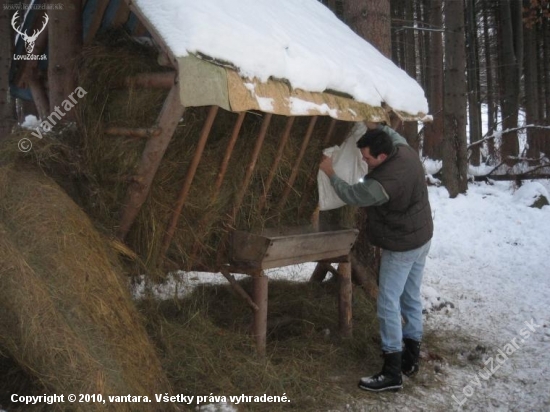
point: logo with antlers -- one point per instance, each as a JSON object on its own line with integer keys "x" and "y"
{"x": 29, "y": 40}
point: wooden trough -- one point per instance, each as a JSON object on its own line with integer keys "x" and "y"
{"x": 253, "y": 253}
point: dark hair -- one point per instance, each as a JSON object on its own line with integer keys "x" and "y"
{"x": 377, "y": 141}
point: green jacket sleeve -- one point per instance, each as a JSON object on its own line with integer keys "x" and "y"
{"x": 366, "y": 193}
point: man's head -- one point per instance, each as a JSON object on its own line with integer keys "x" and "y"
{"x": 375, "y": 146}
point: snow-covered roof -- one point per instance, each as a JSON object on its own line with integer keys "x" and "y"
{"x": 298, "y": 41}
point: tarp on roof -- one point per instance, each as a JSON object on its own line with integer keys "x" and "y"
{"x": 203, "y": 83}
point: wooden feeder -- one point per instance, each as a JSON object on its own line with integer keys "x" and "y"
{"x": 253, "y": 253}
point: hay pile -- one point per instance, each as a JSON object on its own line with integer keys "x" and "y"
{"x": 110, "y": 161}
{"x": 66, "y": 315}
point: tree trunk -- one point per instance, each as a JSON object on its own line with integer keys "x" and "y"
{"x": 7, "y": 118}
{"x": 509, "y": 84}
{"x": 489, "y": 73}
{"x": 545, "y": 143}
{"x": 370, "y": 19}
{"x": 65, "y": 43}
{"x": 474, "y": 103}
{"x": 433, "y": 132}
{"x": 455, "y": 164}
{"x": 531, "y": 94}
{"x": 410, "y": 129}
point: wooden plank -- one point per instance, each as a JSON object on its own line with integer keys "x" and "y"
{"x": 152, "y": 155}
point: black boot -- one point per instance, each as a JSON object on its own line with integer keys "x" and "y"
{"x": 389, "y": 379}
{"x": 411, "y": 355}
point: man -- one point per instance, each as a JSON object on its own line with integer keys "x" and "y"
{"x": 399, "y": 221}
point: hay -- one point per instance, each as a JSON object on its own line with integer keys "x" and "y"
{"x": 110, "y": 161}
{"x": 207, "y": 347}
{"x": 67, "y": 317}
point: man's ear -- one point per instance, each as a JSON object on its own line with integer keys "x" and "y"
{"x": 382, "y": 157}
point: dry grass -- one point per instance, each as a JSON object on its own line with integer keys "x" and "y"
{"x": 67, "y": 317}
{"x": 207, "y": 347}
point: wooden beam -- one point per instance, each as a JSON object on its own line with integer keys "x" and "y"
{"x": 144, "y": 133}
{"x": 164, "y": 80}
{"x": 152, "y": 155}
{"x": 296, "y": 166}
{"x": 239, "y": 289}
{"x": 190, "y": 175}
{"x": 276, "y": 161}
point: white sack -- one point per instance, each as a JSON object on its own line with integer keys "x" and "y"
{"x": 348, "y": 164}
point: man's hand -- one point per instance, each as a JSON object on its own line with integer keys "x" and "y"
{"x": 326, "y": 166}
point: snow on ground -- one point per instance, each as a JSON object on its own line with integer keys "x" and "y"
{"x": 490, "y": 259}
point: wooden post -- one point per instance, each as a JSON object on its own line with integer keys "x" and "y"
{"x": 278, "y": 157}
{"x": 190, "y": 175}
{"x": 150, "y": 160}
{"x": 260, "y": 284}
{"x": 345, "y": 299}
{"x": 294, "y": 172}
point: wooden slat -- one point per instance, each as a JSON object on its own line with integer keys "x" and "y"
{"x": 138, "y": 190}
{"x": 296, "y": 166}
{"x": 251, "y": 165}
{"x": 143, "y": 133}
{"x": 276, "y": 161}
{"x": 190, "y": 175}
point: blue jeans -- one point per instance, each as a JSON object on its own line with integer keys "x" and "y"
{"x": 399, "y": 295}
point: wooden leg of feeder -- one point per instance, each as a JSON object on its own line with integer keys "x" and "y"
{"x": 319, "y": 273}
{"x": 260, "y": 316}
{"x": 344, "y": 298}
